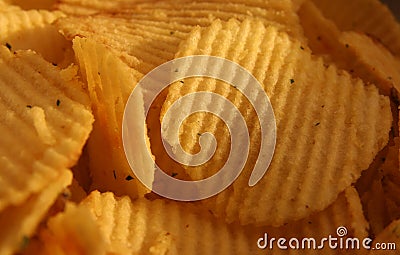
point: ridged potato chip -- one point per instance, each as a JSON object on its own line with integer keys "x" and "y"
{"x": 368, "y": 16}
{"x": 166, "y": 227}
{"x": 110, "y": 82}
{"x": 325, "y": 120}
{"x": 146, "y": 35}
{"x": 355, "y": 52}
{"x": 143, "y": 46}
{"x": 18, "y": 223}
{"x": 281, "y": 13}
{"x": 163, "y": 227}
{"x": 23, "y": 30}
{"x": 44, "y": 119}
{"x": 344, "y": 214}
{"x": 73, "y": 231}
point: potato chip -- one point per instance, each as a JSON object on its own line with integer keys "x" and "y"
{"x": 23, "y": 30}
{"x": 367, "y": 16}
{"x": 146, "y": 35}
{"x": 142, "y": 46}
{"x": 355, "y": 52}
{"x": 45, "y": 120}
{"x": 110, "y": 83}
{"x": 345, "y": 214}
{"x": 387, "y": 242}
{"x": 163, "y": 227}
{"x": 282, "y": 13}
{"x": 379, "y": 186}
{"x": 18, "y": 223}
{"x": 329, "y": 126}
{"x": 73, "y": 231}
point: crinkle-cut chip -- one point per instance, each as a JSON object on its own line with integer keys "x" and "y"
{"x": 143, "y": 46}
{"x": 73, "y": 231}
{"x": 110, "y": 83}
{"x": 28, "y": 159}
{"x": 368, "y": 16}
{"x": 388, "y": 241}
{"x": 346, "y": 212}
{"x": 33, "y": 30}
{"x": 379, "y": 187}
{"x": 18, "y": 223}
{"x": 355, "y": 52}
{"x": 164, "y": 227}
{"x": 147, "y": 35}
{"x": 279, "y": 12}
{"x": 329, "y": 126}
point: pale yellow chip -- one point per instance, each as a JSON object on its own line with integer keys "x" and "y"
{"x": 164, "y": 227}
{"x": 368, "y": 16}
{"x": 143, "y": 46}
{"x": 388, "y": 241}
{"x": 18, "y": 223}
{"x": 33, "y": 30}
{"x": 73, "y": 231}
{"x": 44, "y": 120}
{"x": 110, "y": 82}
{"x": 167, "y": 227}
{"x": 329, "y": 126}
{"x": 352, "y": 51}
{"x": 345, "y": 214}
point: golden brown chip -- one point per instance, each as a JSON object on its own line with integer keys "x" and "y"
{"x": 110, "y": 82}
{"x": 23, "y": 30}
{"x": 37, "y": 4}
{"x": 378, "y": 188}
{"x": 44, "y": 121}
{"x": 281, "y": 13}
{"x": 18, "y": 223}
{"x": 73, "y": 231}
{"x": 329, "y": 126}
{"x": 355, "y": 52}
{"x": 367, "y": 16}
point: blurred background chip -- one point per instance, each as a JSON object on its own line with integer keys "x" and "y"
{"x": 394, "y": 5}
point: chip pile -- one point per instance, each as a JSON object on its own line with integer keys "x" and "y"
{"x": 68, "y": 67}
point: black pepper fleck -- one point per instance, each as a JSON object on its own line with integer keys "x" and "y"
{"x": 291, "y": 81}
{"x": 8, "y": 46}
{"x": 317, "y": 124}
{"x": 115, "y": 175}
{"x": 129, "y": 178}
{"x": 174, "y": 174}
{"x": 29, "y": 106}
{"x": 58, "y": 102}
